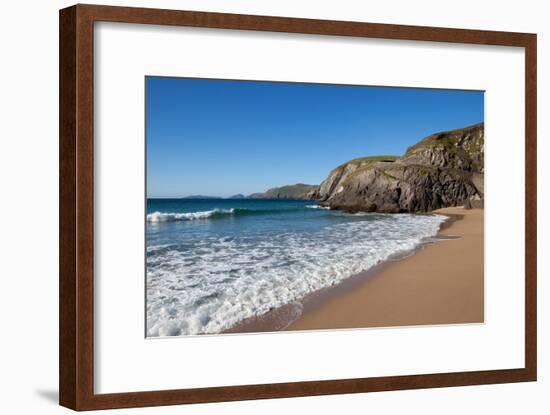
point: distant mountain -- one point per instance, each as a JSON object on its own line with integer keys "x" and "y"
{"x": 294, "y": 191}
{"x": 201, "y": 197}
{"x": 237, "y": 196}
{"x": 444, "y": 169}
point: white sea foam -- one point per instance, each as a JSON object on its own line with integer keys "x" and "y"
{"x": 156, "y": 217}
{"x": 317, "y": 207}
{"x": 216, "y": 282}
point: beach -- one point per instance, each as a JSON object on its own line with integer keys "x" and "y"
{"x": 355, "y": 231}
{"x": 440, "y": 283}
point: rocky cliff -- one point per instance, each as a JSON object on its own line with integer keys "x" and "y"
{"x": 294, "y": 191}
{"x": 444, "y": 169}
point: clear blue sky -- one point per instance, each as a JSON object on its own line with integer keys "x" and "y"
{"x": 219, "y": 138}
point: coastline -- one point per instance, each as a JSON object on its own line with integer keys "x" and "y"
{"x": 438, "y": 283}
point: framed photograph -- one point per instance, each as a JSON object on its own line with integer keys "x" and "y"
{"x": 258, "y": 207}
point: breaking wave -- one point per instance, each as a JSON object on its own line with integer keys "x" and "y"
{"x": 156, "y": 217}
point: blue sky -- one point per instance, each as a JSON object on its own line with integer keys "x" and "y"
{"x": 219, "y": 138}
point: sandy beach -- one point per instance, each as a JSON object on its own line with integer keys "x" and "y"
{"x": 441, "y": 283}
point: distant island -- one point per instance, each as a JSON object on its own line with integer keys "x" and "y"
{"x": 201, "y": 197}
{"x": 297, "y": 191}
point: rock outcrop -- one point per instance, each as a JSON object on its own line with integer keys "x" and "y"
{"x": 295, "y": 191}
{"x": 444, "y": 169}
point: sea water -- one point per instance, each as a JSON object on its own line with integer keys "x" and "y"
{"x": 213, "y": 262}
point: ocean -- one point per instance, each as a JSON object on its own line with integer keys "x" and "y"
{"x": 213, "y": 262}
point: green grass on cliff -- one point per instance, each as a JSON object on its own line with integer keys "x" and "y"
{"x": 373, "y": 159}
{"x": 369, "y": 159}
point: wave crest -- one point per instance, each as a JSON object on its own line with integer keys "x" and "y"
{"x": 317, "y": 207}
{"x": 157, "y": 217}
{"x": 217, "y": 213}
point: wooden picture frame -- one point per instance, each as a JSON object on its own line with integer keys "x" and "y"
{"x": 76, "y": 278}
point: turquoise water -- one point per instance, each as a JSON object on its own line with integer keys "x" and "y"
{"x": 214, "y": 262}
{"x": 234, "y": 218}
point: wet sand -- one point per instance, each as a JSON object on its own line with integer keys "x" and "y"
{"x": 440, "y": 283}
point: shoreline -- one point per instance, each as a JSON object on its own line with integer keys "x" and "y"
{"x": 438, "y": 282}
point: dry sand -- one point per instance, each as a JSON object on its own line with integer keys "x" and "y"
{"x": 440, "y": 284}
